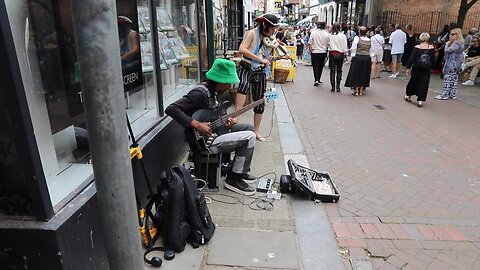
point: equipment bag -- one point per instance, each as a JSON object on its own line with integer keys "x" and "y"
{"x": 197, "y": 214}
{"x": 171, "y": 213}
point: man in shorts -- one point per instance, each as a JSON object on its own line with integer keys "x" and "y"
{"x": 398, "y": 39}
{"x": 376, "y": 52}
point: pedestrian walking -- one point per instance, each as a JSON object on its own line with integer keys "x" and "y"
{"x": 398, "y": 39}
{"x": 307, "y": 53}
{"x": 387, "y": 50}
{"x": 411, "y": 42}
{"x": 376, "y": 52}
{"x": 337, "y": 47}
{"x": 360, "y": 68}
{"x": 419, "y": 65}
{"x": 318, "y": 44}
{"x": 453, "y": 64}
{"x": 300, "y": 44}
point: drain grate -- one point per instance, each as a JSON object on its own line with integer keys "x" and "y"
{"x": 380, "y": 107}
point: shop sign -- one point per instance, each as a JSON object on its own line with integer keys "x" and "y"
{"x": 129, "y": 41}
{"x": 287, "y": 64}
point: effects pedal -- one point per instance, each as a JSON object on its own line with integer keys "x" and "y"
{"x": 264, "y": 185}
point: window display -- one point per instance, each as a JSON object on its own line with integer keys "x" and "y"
{"x": 178, "y": 35}
{"x": 46, "y": 52}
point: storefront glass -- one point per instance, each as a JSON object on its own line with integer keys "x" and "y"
{"x": 178, "y": 41}
{"x": 45, "y": 45}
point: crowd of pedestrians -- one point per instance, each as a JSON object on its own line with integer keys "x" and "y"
{"x": 450, "y": 54}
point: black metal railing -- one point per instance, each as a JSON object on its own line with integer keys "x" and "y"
{"x": 431, "y": 22}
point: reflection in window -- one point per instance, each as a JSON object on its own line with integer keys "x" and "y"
{"x": 43, "y": 36}
{"x": 177, "y": 38}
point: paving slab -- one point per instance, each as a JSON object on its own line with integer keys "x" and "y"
{"x": 246, "y": 248}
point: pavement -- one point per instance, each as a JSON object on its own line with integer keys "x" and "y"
{"x": 408, "y": 177}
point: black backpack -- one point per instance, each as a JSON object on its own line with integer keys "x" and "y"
{"x": 197, "y": 214}
{"x": 424, "y": 61}
{"x": 181, "y": 211}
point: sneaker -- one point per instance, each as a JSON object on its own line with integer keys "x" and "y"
{"x": 237, "y": 185}
{"x": 440, "y": 97}
{"x": 248, "y": 178}
{"x": 455, "y": 97}
{"x": 315, "y": 83}
{"x": 393, "y": 76}
{"x": 469, "y": 82}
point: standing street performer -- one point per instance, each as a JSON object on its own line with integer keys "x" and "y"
{"x": 257, "y": 49}
{"x": 240, "y": 138}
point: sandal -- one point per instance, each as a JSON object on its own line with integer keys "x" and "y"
{"x": 260, "y": 138}
{"x": 407, "y": 99}
{"x": 378, "y": 77}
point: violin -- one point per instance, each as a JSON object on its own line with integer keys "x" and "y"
{"x": 281, "y": 51}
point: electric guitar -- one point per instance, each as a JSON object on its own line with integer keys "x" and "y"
{"x": 218, "y": 118}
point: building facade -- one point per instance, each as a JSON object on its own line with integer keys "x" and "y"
{"x": 48, "y": 208}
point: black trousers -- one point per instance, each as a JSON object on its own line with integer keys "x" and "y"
{"x": 335, "y": 63}
{"x": 318, "y": 61}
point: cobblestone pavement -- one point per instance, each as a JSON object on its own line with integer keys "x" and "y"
{"x": 409, "y": 177}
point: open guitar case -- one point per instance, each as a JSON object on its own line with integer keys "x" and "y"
{"x": 319, "y": 186}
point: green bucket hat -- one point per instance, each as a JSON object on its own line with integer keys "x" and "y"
{"x": 223, "y": 71}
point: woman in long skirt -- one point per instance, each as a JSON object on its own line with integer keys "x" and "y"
{"x": 420, "y": 80}
{"x": 307, "y": 55}
{"x": 360, "y": 68}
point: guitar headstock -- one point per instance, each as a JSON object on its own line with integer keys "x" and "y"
{"x": 270, "y": 95}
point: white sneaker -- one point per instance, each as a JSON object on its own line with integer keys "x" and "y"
{"x": 393, "y": 76}
{"x": 469, "y": 82}
{"x": 440, "y": 97}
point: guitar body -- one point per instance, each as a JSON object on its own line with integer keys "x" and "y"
{"x": 207, "y": 115}
{"x": 218, "y": 117}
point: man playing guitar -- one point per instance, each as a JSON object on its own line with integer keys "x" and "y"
{"x": 255, "y": 65}
{"x": 240, "y": 138}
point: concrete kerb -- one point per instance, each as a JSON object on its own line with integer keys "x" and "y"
{"x": 318, "y": 246}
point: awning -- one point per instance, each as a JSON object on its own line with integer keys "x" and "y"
{"x": 306, "y": 20}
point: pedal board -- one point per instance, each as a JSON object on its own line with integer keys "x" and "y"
{"x": 264, "y": 185}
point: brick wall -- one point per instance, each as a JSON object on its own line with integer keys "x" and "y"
{"x": 428, "y": 16}
{"x": 413, "y": 6}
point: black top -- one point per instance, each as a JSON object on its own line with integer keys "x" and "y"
{"x": 473, "y": 51}
{"x": 416, "y": 55}
{"x": 183, "y": 109}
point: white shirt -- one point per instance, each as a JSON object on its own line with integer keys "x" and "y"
{"x": 377, "y": 42}
{"x": 319, "y": 40}
{"x": 338, "y": 43}
{"x": 398, "y": 40}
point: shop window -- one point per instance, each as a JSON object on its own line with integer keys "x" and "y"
{"x": 44, "y": 40}
{"x": 178, "y": 42}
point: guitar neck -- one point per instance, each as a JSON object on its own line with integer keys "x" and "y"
{"x": 243, "y": 109}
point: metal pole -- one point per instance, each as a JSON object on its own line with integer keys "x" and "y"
{"x": 210, "y": 33}
{"x": 96, "y": 35}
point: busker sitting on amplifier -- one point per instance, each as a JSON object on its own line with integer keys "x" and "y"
{"x": 236, "y": 137}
